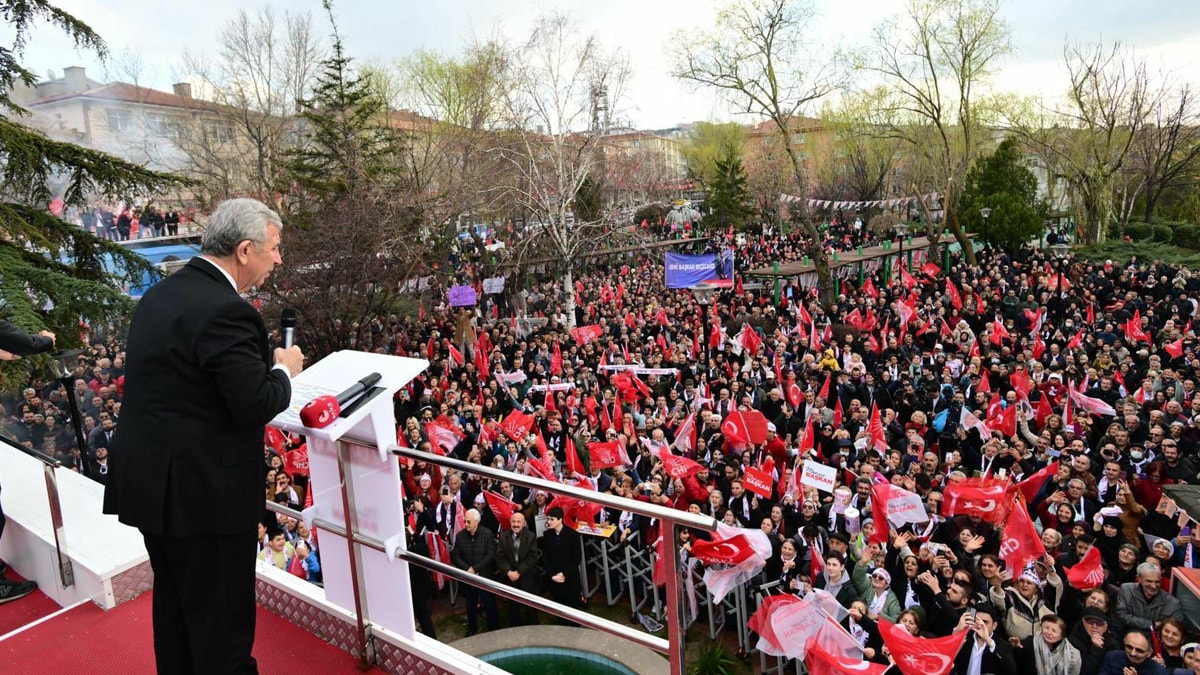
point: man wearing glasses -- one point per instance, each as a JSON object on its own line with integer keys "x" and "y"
{"x": 1134, "y": 659}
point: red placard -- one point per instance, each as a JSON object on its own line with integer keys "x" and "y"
{"x": 757, "y": 481}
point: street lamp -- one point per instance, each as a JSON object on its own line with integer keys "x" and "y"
{"x": 704, "y": 296}
{"x": 64, "y": 363}
{"x": 902, "y": 230}
{"x": 986, "y": 212}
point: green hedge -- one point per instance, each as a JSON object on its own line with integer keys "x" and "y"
{"x": 1181, "y": 234}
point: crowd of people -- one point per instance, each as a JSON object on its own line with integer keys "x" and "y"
{"x": 1074, "y": 380}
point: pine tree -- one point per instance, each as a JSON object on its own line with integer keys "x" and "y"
{"x": 727, "y": 196}
{"x": 1003, "y": 183}
{"x": 352, "y": 235}
{"x": 53, "y": 275}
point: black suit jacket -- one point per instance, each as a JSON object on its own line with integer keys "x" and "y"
{"x": 999, "y": 661}
{"x": 199, "y": 388}
{"x": 17, "y": 341}
{"x": 524, "y": 560}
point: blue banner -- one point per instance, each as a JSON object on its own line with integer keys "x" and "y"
{"x": 685, "y": 271}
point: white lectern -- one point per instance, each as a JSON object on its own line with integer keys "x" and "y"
{"x": 371, "y": 478}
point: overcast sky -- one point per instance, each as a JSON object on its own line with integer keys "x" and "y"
{"x": 1166, "y": 32}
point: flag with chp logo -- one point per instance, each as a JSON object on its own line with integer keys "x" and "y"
{"x": 1088, "y": 573}
{"x": 1020, "y": 543}
{"x": 677, "y": 466}
{"x": 607, "y": 455}
{"x": 988, "y": 498}
{"x": 920, "y": 656}
{"x": 586, "y": 334}
{"x": 516, "y": 425}
{"x": 787, "y": 626}
{"x": 895, "y": 506}
{"x": 501, "y": 507}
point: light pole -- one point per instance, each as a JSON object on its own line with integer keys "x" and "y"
{"x": 704, "y": 296}
{"x": 986, "y": 212}
{"x": 902, "y": 230}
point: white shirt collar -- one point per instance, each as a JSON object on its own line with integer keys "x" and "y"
{"x": 222, "y": 270}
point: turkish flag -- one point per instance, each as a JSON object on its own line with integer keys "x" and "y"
{"x": 1020, "y": 543}
{"x": 456, "y": 356}
{"x": 731, "y": 551}
{"x": 685, "y": 436}
{"x": 758, "y": 481}
{"x": 502, "y": 508}
{"x": 1088, "y": 573}
{"x": 516, "y": 425}
{"x": 556, "y": 360}
{"x": 920, "y": 656}
{"x": 1077, "y": 341}
{"x": 274, "y": 438}
{"x": 586, "y": 334}
{"x": 821, "y": 662}
{"x": 745, "y": 427}
{"x": 1043, "y": 411}
{"x": 989, "y": 499}
{"x": 809, "y": 441}
{"x": 442, "y": 437}
{"x": 749, "y": 339}
{"x": 824, "y": 393}
{"x": 931, "y": 269}
{"x": 794, "y": 395}
{"x": 1029, "y": 487}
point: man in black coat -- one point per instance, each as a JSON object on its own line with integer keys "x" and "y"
{"x": 982, "y": 652}
{"x": 516, "y": 565}
{"x": 186, "y": 464}
{"x": 475, "y": 552}
{"x": 15, "y": 343}
{"x": 560, "y": 560}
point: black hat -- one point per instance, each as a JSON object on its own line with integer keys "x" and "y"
{"x": 555, "y": 512}
{"x": 1094, "y": 613}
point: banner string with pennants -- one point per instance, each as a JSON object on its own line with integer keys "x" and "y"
{"x": 875, "y": 203}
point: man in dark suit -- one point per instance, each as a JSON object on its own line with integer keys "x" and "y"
{"x": 560, "y": 559}
{"x": 186, "y": 464}
{"x": 982, "y": 653}
{"x": 516, "y": 565}
{"x": 15, "y": 343}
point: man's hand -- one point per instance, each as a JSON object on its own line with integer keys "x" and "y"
{"x": 8, "y": 356}
{"x": 513, "y": 575}
{"x": 559, "y": 578}
{"x": 470, "y": 570}
{"x": 291, "y": 358}
{"x": 46, "y": 333}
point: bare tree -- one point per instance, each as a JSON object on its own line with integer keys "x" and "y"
{"x": 560, "y": 86}
{"x": 936, "y": 59}
{"x": 1167, "y": 151}
{"x": 761, "y": 55}
{"x": 264, "y": 65}
{"x": 1091, "y": 134}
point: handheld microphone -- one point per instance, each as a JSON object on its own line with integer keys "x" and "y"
{"x": 287, "y": 322}
{"x": 323, "y": 410}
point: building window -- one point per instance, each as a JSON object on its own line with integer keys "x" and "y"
{"x": 799, "y": 138}
{"x": 120, "y": 121}
{"x": 220, "y": 132}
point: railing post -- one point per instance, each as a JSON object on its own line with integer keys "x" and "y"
{"x": 366, "y": 652}
{"x": 675, "y": 627}
{"x": 66, "y": 573}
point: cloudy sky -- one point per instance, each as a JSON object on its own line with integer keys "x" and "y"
{"x": 1166, "y": 32}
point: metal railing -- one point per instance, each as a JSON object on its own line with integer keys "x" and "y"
{"x": 669, "y": 518}
{"x": 66, "y": 573}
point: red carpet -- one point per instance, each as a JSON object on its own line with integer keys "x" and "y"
{"x": 88, "y": 640}
{"x": 30, "y": 608}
